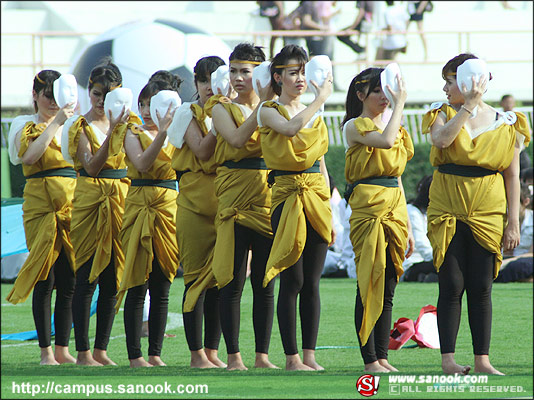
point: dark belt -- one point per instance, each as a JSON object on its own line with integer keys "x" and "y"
{"x": 107, "y": 173}
{"x": 386, "y": 181}
{"x": 163, "y": 183}
{"x": 246, "y": 163}
{"x": 179, "y": 174}
{"x": 314, "y": 169}
{"x": 67, "y": 172}
{"x": 465, "y": 170}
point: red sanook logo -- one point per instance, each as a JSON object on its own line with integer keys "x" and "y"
{"x": 367, "y": 385}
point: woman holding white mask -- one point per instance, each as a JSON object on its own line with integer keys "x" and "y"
{"x": 474, "y": 203}
{"x": 148, "y": 233}
{"x": 294, "y": 140}
{"x": 98, "y": 206}
{"x": 34, "y": 142}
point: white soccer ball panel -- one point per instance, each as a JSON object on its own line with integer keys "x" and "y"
{"x": 150, "y": 48}
{"x": 200, "y": 45}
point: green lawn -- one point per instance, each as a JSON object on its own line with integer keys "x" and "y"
{"x": 511, "y": 352}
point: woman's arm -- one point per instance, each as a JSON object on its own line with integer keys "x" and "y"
{"x": 201, "y": 146}
{"x": 271, "y": 117}
{"x": 386, "y": 139}
{"x": 37, "y": 147}
{"x": 324, "y": 172}
{"x": 512, "y": 232}
{"x": 227, "y": 128}
{"x": 143, "y": 160}
{"x": 443, "y": 134}
{"x": 94, "y": 163}
{"x": 411, "y": 240}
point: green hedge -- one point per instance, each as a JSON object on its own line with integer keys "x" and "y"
{"x": 416, "y": 168}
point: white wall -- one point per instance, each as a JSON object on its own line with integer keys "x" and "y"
{"x": 423, "y": 80}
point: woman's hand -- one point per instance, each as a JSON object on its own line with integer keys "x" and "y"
{"x": 400, "y": 96}
{"x": 121, "y": 119}
{"x": 166, "y": 121}
{"x": 474, "y": 96}
{"x": 511, "y": 236}
{"x": 334, "y": 237}
{"x": 411, "y": 244}
{"x": 265, "y": 92}
{"x": 325, "y": 90}
{"x": 64, "y": 114}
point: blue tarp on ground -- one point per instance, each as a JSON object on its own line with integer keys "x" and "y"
{"x": 13, "y": 238}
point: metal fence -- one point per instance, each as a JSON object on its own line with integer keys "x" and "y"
{"x": 411, "y": 121}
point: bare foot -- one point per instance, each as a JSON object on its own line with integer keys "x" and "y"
{"x": 86, "y": 358}
{"x": 212, "y": 355}
{"x": 156, "y": 361}
{"x": 168, "y": 335}
{"x": 47, "y": 356}
{"x": 235, "y": 362}
{"x": 384, "y": 363}
{"x": 483, "y": 366}
{"x": 102, "y": 357}
{"x": 199, "y": 360}
{"x": 376, "y": 367}
{"x": 449, "y": 366}
{"x": 262, "y": 361}
{"x": 139, "y": 363}
{"x": 294, "y": 363}
{"x": 309, "y": 360}
{"x": 62, "y": 355}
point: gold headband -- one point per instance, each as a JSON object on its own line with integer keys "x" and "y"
{"x": 362, "y": 81}
{"x": 246, "y": 62}
{"x": 99, "y": 84}
{"x": 450, "y": 74}
{"x": 288, "y": 65}
{"x": 39, "y": 79}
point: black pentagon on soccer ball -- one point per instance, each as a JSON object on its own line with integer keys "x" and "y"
{"x": 90, "y": 59}
{"x": 187, "y": 89}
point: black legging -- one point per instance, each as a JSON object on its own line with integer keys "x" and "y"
{"x": 263, "y": 298}
{"x": 158, "y": 286}
{"x": 467, "y": 266}
{"x": 302, "y": 279}
{"x": 208, "y": 307}
{"x": 62, "y": 277}
{"x": 377, "y": 345}
{"x": 105, "y": 309}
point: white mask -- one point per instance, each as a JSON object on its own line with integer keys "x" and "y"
{"x": 220, "y": 79}
{"x": 262, "y": 73}
{"x": 116, "y": 100}
{"x": 472, "y": 67}
{"x": 65, "y": 90}
{"x": 317, "y": 69}
{"x": 389, "y": 77}
{"x": 161, "y": 102}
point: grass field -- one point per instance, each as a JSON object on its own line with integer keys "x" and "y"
{"x": 511, "y": 352}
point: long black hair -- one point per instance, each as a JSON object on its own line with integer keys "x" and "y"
{"x": 368, "y": 80}
{"x": 422, "y": 199}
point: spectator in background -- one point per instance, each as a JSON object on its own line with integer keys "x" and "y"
{"x": 362, "y": 23}
{"x": 519, "y": 268}
{"x": 394, "y": 20}
{"x": 311, "y": 20}
{"x": 419, "y": 267}
{"x": 416, "y": 9}
{"x": 332, "y": 266}
{"x": 507, "y": 102}
{"x": 274, "y": 10}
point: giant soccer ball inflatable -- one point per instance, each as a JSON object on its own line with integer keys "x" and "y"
{"x": 142, "y": 47}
